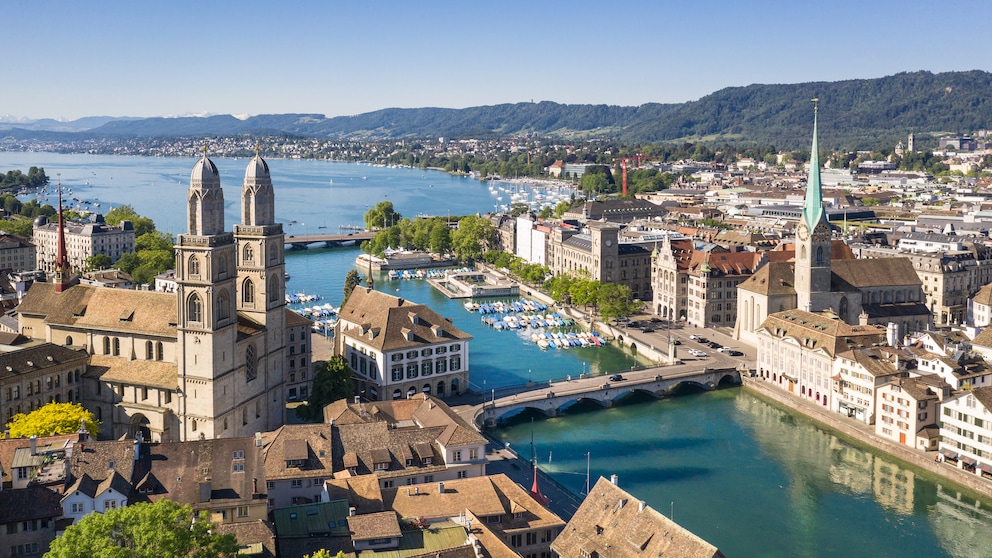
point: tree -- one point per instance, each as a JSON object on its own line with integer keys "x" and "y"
{"x": 617, "y": 301}
{"x": 144, "y": 531}
{"x": 324, "y": 553}
{"x": 440, "y": 237}
{"x": 474, "y": 236}
{"x": 332, "y": 381}
{"x": 381, "y": 216}
{"x": 52, "y": 419}
{"x": 142, "y": 225}
{"x": 352, "y": 280}
{"x": 98, "y": 261}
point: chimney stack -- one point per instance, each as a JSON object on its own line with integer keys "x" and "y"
{"x": 33, "y": 440}
{"x": 440, "y": 488}
{"x": 615, "y": 480}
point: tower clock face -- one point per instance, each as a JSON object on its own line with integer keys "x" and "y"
{"x": 821, "y": 233}
{"x": 802, "y": 233}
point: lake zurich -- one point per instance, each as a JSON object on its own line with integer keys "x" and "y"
{"x": 753, "y": 479}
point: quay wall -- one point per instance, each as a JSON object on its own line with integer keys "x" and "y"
{"x": 833, "y": 421}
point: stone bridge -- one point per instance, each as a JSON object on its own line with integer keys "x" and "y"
{"x": 552, "y": 399}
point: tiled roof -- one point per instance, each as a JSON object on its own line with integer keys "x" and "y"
{"x": 38, "y": 358}
{"x": 984, "y": 396}
{"x": 772, "y": 279}
{"x": 150, "y": 373}
{"x": 876, "y": 272}
{"x": 26, "y": 504}
{"x": 610, "y": 522}
{"x": 9, "y": 446}
{"x": 200, "y": 473}
{"x": 984, "y": 295}
{"x": 389, "y": 323}
{"x": 374, "y": 525}
{"x": 477, "y": 494}
{"x": 363, "y": 492}
{"x": 250, "y": 533}
{"x": 983, "y": 339}
{"x": 295, "y": 320}
{"x": 376, "y": 442}
{"x": 314, "y": 439}
{"x": 146, "y": 312}
{"x": 99, "y": 460}
{"x": 818, "y": 331}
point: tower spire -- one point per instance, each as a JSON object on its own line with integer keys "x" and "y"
{"x": 61, "y": 256}
{"x": 813, "y": 206}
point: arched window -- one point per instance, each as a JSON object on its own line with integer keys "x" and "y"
{"x": 106, "y": 345}
{"x": 273, "y": 289}
{"x": 223, "y": 305}
{"x": 159, "y": 350}
{"x": 819, "y": 255}
{"x": 251, "y": 370}
{"x": 249, "y": 253}
{"x": 194, "y": 265}
{"x": 247, "y": 292}
{"x": 117, "y": 346}
{"x": 149, "y": 350}
{"x": 68, "y": 340}
{"x": 802, "y": 253}
{"x": 440, "y": 388}
{"x": 843, "y": 308}
{"x": 194, "y": 308}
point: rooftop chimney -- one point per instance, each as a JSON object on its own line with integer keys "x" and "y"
{"x": 33, "y": 440}
{"x": 440, "y": 488}
{"x": 615, "y": 480}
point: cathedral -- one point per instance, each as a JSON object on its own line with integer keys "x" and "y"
{"x": 858, "y": 291}
{"x": 208, "y": 361}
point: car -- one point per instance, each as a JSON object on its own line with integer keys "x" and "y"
{"x": 617, "y": 378}
{"x": 698, "y": 338}
{"x": 648, "y": 329}
{"x": 714, "y": 345}
{"x": 676, "y": 342}
{"x": 735, "y": 352}
{"x": 697, "y": 353}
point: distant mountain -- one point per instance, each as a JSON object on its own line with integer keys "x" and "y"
{"x": 8, "y": 122}
{"x": 863, "y": 113}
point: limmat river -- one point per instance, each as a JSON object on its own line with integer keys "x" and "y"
{"x": 752, "y": 478}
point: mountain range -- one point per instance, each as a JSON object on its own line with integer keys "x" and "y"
{"x": 853, "y": 114}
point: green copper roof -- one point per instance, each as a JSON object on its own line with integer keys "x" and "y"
{"x": 813, "y": 206}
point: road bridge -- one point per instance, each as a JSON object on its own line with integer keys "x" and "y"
{"x": 304, "y": 241}
{"x": 552, "y": 398}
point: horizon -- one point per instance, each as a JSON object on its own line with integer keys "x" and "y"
{"x": 130, "y": 60}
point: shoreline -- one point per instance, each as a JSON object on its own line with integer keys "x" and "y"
{"x": 865, "y": 435}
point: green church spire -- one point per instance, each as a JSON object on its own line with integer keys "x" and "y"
{"x": 813, "y": 207}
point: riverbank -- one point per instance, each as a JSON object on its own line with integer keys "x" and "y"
{"x": 865, "y": 434}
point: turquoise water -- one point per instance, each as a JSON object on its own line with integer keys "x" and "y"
{"x": 751, "y": 478}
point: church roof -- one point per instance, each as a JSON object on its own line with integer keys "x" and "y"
{"x": 95, "y": 308}
{"x": 150, "y": 373}
{"x": 257, "y": 168}
{"x": 876, "y": 272}
{"x": 813, "y": 206}
{"x": 786, "y": 251}
{"x": 772, "y": 279}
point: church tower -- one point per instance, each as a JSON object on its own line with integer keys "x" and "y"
{"x": 261, "y": 286}
{"x": 207, "y": 320}
{"x": 813, "y": 240}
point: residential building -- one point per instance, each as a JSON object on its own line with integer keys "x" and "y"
{"x": 53, "y": 446}
{"x": 209, "y": 360}
{"x": 299, "y": 357}
{"x": 966, "y": 430}
{"x": 81, "y": 241}
{"x": 102, "y": 477}
{"x": 615, "y": 211}
{"x": 17, "y": 253}
{"x": 35, "y": 375}
{"x": 27, "y": 520}
{"x": 980, "y": 307}
{"x": 612, "y": 522}
{"x": 397, "y": 348}
{"x": 857, "y": 375}
{"x": 907, "y": 410}
{"x": 404, "y": 442}
{"x": 298, "y": 459}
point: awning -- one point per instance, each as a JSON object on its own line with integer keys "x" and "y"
{"x": 969, "y": 461}
{"x": 986, "y": 468}
{"x": 949, "y": 454}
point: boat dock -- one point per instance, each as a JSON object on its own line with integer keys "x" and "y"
{"x": 475, "y": 284}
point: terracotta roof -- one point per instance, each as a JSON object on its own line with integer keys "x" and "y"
{"x": 610, "y": 522}
{"x": 376, "y": 442}
{"x": 248, "y": 533}
{"x": 477, "y": 494}
{"x": 147, "y": 312}
{"x": 983, "y": 339}
{"x": 388, "y": 323}
{"x": 362, "y": 492}
{"x": 9, "y": 446}
{"x": 374, "y": 525}
{"x": 99, "y": 460}
{"x": 150, "y": 373}
{"x": 984, "y": 295}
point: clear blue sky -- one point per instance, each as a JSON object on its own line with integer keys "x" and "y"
{"x": 67, "y": 59}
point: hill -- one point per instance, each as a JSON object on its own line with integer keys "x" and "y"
{"x": 855, "y": 114}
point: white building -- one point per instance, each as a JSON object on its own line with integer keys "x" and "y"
{"x": 907, "y": 410}
{"x": 966, "y": 430}
{"x": 82, "y": 240}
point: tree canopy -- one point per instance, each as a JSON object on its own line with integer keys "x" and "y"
{"x": 331, "y": 381}
{"x": 143, "y": 531}
{"x": 381, "y": 216}
{"x": 142, "y": 225}
{"x": 351, "y": 280}
{"x": 13, "y": 179}
{"x": 475, "y": 235}
{"x": 52, "y": 419}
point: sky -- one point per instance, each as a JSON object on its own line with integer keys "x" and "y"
{"x": 69, "y": 59}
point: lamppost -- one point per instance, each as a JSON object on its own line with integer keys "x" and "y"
{"x": 529, "y": 382}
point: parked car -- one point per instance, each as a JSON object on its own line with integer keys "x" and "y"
{"x": 617, "y": 378}
{"x": 648, "y": 329}
{"x": 699, "y": 338}
{"x": 714, "y": 345}
{"x": 735, "y": 352}
{"x": 697, "y": 353}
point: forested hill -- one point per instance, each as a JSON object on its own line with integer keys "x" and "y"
{"x": 863, "y": 113}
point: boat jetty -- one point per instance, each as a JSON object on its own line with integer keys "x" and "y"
{"x": 475, "y": 284}
{"x": 401, "y": 259}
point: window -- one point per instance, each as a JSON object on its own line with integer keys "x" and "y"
{"x": 463, "y": 474}
{"x": 456, "y": 363}
{"x": 194, "y": 266}
{"x": 238, "y": 467}
{"x": 387, "y": 484}
{"x": 473, "y": 453}
{"x": 242, "y": 511}
{"x": 426, "y": 368}
{"x": 223, "y": 305}
{"x": 456, "y": 348}
{"x": 250, "y": 364}
{"x": 456, "y": 455}
{"x": 411, "y": 354}
{"x": 194, "y": 309}
{"x": 441, "y": 366}
{"x": 296, "y": 483}
{"x": 247, "y": 292}
{"x": 77, "y": 507}
{"x": 397, "y": 373}
{"x": 110, "y": 505}
{"x": 411, "y": 370}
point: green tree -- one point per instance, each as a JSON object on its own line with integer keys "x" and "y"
{"x": 332, "y": 381}
{"x": 18, "y": 225}
{"x": 97, "y": 262}
{"x": 474, "y": 236}
{"x": 142, "y": 225}
{"x": 52, "y": 419}
{"x": 144, "y": 531}
{"x": 324, "y": 553}
{"x": 869, "y": 202}
{"x": 381, "y": 216}
{"x": 440, "y": 237}
{"x": 351, "y": 280}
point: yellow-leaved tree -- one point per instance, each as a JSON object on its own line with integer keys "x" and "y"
{"x": 52, "y": 419}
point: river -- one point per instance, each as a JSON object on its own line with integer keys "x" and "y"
{"x": 755, "y": 480}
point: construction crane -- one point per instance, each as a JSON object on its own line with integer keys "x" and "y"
{"x": 623, "y": 169}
